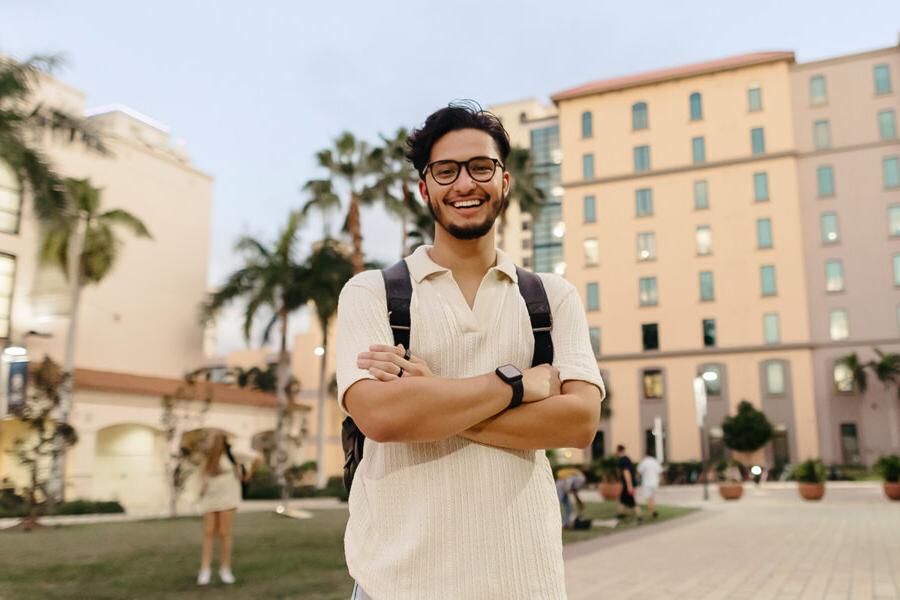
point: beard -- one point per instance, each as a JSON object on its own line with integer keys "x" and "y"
{"x": 474, "y": 231}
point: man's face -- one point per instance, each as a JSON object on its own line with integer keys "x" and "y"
{"x": 465, "y": 223}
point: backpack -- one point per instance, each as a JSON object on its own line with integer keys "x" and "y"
{"x": 398, "y": 289}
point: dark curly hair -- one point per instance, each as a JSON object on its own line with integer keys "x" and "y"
{"x": 465, "y": 114}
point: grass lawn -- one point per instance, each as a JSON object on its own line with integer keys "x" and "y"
{"x": 607, "y": 510}
{"x": 275, "y": 557}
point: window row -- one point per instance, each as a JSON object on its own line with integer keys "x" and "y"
{"x": 887, "y": 129}
{"x": 818, "y": 92}
{"x": 775, "y": 375}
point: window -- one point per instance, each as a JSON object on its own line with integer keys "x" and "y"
{"x": 822, "y": 134}
{"x": 526, "y": 225}
{"x": 7, "y": 277}
{"x": 843, "y": 377}
{"x": 639, "y": 116}
{"x": 526, "y": 244}
{"x": 763, "y": 233}
{"x": 696, "y": 102}
{"x": 771, "y": 328}
{"x": 641, "y": 158}
{"x": 653, "y": 384}
{"x": 825, "y": 179}
{"x": 758, "y": 140}
{"x": 830, "y": 233}
{"x": 587, "y": 166}
{"x": 587, "y": 124}
{"x": 701, "y": 195}
{"x": 887, "y": 125}
{"x": 698, "y": 150}
{"x": 817, "y": 92}
{"x": 647, "y": 292}
{"x": 650, "y": 336}
{"x": 760, "y": 187}
{"x": 775, "y": 378}
{"x": 767, "y": 280}
{"x": 707, "y": 290}
{"x": 591, "y": 252}
{"x": 593, "y": 296}
{"x": 839, "y": 324}
{"x": 894, "y": 220}
{"x": 526, "y": 262}
{"x": 754, "y": 97}
{"x": 850, "y": 444}
{"x": 834, "y": 276}
{"x": 890, "y": 170}
{"x": 595, "y": 340}
{"x": 897, "y": 269}
{"x": 10, "y": 199}
{"x": 646, "y": 246}
{"x": 709, "y": 333}
{"x": 643, "y": 200}
{"x": 704, "y": 240}
{"x": 712, "y": 379}
{"x": 590, "y": 209}
{"x": 882, "y": 79}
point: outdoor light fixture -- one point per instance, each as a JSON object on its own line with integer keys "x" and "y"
{"x": 559, "y": 229}
{"x": 756, "y": 470}
{"x": 319, "y": 351}
{"x": 710, "y": 375}
{"x": 559, "y": 268}
{"x": 15, "y": 351}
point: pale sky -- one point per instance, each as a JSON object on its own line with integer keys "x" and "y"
{"x": 255, "y": 89}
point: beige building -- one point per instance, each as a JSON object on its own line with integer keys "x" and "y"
{"x": 138, "y": 329}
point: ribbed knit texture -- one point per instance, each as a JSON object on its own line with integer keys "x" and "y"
{"x": 456, "y": 520}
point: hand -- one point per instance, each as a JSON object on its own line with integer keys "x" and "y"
{"x": 385, "y": 362}
{"x": 540, "y": 382}
{"x": 631, "y": 490}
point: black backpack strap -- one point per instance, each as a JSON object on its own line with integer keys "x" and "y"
{"x": 532, "y": 289}
{"x": 398, "y": 289}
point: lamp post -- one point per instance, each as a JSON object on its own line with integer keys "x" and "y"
{"x": 700, "y": 403}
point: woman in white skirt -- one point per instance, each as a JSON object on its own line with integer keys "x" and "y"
{"x": 219, "y": 496}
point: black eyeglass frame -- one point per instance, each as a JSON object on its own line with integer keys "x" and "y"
{"x": 459, "y": 167}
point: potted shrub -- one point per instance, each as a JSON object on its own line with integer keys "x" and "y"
{"x": 730, "y": 477}
{"x": 889, "y": 468}
{"x": 607, "y": 470}
{"x": 810, "y": 475}
{"x": 748, "y": 430}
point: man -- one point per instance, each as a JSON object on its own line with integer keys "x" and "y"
{"x": 650, "y": 470}
{"x": 454, "y": 497}
{"x": 568, "y": 481}
{"x": 627, "y": 505}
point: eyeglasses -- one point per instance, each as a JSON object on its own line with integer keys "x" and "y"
{"x": 479, "y": 168}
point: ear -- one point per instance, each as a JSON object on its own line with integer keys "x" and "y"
{"x": 507, "y": 181}
{"x": 423, "y": 190}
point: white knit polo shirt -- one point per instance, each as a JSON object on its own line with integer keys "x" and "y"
{"x": 453, "y": 519}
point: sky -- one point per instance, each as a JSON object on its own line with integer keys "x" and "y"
{"x": 255, "y": 89}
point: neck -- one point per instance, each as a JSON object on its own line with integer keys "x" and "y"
{"x": 465, "y": 258}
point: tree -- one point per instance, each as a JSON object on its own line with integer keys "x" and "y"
{"x": 81, "y": 240}
{"x": 352, "y": 167}
{"x": 272, "y": 278}
{"x": 524, "y": 189}
{"x": 21, "y": 119}
{"x": 397, "y": 184}
{"x": 857, "y": 370}
{"x": 33, "y": 452}
{"x": 887, "y": 371}
{"x": 328, "y": 268}
{"x": 748, "y": 430}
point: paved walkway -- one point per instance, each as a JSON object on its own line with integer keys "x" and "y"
{"x": 769, "y": 545}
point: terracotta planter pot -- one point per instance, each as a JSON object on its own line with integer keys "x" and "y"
{"x": 892, "y": 490}
{"x": 812, "y": 491}
{"x": 610, "y": 491}
{"x": 731, "y": 491}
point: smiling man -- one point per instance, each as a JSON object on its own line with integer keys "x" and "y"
{"x": 454, "y": 498}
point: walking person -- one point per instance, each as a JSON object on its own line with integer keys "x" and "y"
{"x": 627, "y": 504}
{"x": 454, "y": 496}
{"x": 568, "y": 481}
{"x": 649, "y": 469}
{"x": 219, "y": 496}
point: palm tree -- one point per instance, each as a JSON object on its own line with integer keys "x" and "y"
{"x": 397, "y": 183}
{"x": 857, "y": 370}
{"x": 524, "y": 188}
{"x": 328, "y": 268}
{"x": 272, "y": 278}
{"x": 81, "y": 240}
{"x": 351, "y": 167}
{"x": 21, "y": 119}
{"x": 887, "y": 370}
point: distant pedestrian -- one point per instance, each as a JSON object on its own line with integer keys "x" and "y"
{"x": 568, "y": 481}
{"x": 649, "y": 469}
{"x": 627, "y": 504}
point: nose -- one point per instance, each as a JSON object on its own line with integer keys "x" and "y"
{"x": 464, "y": 184}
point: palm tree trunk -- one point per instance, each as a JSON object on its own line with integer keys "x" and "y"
{"x": 57, "y": 468}
{"x": 320, "y": 437}
{"x": 281, "y": 416}
{"x": 353, "y": 224}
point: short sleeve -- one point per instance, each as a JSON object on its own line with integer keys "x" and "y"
{"x": 572, "y": 353}
{"x": 361, "y": 321}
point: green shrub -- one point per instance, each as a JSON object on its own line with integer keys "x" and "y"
{"x": 889, "y": 467}
{"x": 605, "y": 469}
{"x": 262, "y": 486}
{"x": 73, "y": 507}
{"x": 810, "y": 471}
{"x": 748, "y": 430}
{"x": 683, "y": 472}
{"x": 730, "y": 471}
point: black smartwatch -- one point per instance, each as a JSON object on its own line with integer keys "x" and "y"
{"x": 513, "y": 376}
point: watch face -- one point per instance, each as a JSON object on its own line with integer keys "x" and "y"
{"x": 510, "y": 371}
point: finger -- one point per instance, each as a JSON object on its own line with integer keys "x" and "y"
{"x": 386, "y": 366}
{"x": 383, "y": 348}
{"x": 382, "y": 375}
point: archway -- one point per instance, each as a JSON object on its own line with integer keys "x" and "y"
{"x": 130, "y": 467}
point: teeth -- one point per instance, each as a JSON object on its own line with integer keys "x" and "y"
{"x": 467, "y": 204}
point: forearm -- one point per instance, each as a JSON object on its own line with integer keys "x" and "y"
{"x": 564, "y": 421}
{"x": 420, "y": 409}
